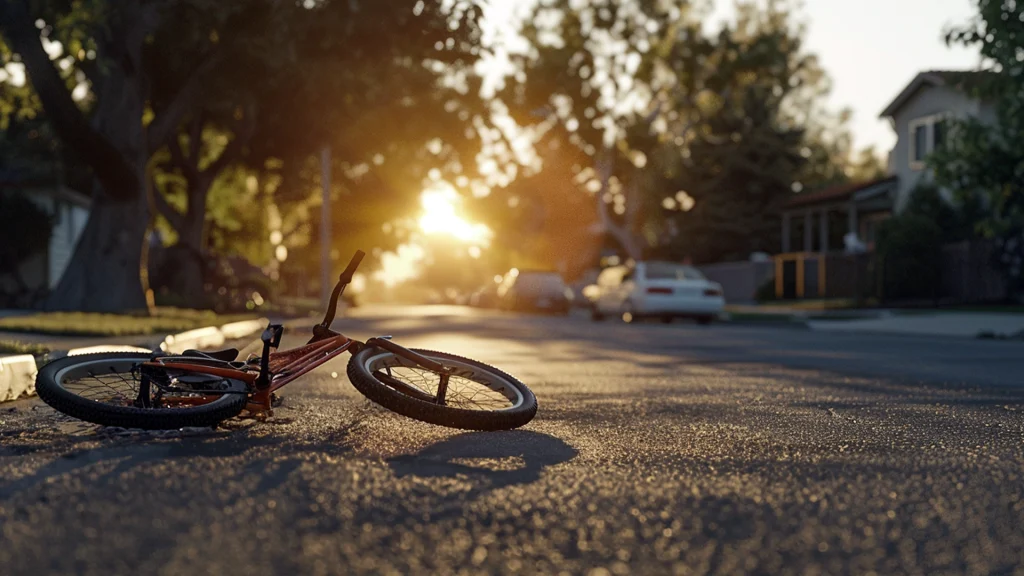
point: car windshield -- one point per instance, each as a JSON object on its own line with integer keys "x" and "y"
{"x": 669, "y": 271}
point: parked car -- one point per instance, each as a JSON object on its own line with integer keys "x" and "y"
{"x": 664, "y": 290}
{"x": 534, "y": 291}
{"x": 485, "y": 297}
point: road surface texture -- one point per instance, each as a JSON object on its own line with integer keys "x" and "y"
{"x": 657, "y": 450}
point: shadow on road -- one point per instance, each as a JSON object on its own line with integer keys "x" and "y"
{"x": 501, "y": 458}
{"x": 122, "y": 454}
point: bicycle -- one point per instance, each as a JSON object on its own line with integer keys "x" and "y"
{"x": 158, "y": 391}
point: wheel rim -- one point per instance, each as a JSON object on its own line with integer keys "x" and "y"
{"x": 469, "y": 388}
{"x": 118, "y": 382}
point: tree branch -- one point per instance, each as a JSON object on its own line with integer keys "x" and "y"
{"x": 160, "y": 204}
{"x": 195, "y": 138}
{"x": 243, "y": 133}
{"x": 165, "y": 124}
{"x": 116, "y": 174}
{"x": 188, "y": 166}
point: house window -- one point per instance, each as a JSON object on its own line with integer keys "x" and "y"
{"x": 926, "y": 135}
{"x": 920, "y": 142}
{"x": 938, "y": 133}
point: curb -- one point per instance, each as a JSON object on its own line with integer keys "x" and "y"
{"x": 17, "y": 376}
{"x": 18, "y": 372}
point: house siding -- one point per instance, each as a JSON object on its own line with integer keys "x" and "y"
{"x": 69, "y": 223}
{"x": 927, "y": 101}
{"x": 66, "y": 232}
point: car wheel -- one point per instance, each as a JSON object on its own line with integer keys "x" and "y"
{"x": 667, "y": 319}
{"x": 595, "y": 314}
{"x": 705, "y": 320}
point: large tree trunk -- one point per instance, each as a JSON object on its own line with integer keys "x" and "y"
{"x": 104, "y": 273}
{"x": 105, "y": 270}
{"x": 189, "y": 276}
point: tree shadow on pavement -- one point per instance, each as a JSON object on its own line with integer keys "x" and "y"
{"x": 501, "y": 458}
{"x": 132, "y": 449}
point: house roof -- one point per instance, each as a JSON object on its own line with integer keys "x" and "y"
{"x": 837, "y": 193}
{"x": 958, "y": 79}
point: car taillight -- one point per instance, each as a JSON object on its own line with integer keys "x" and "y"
{"x": 659, "y": 290}
{"x": 712, "y": 292}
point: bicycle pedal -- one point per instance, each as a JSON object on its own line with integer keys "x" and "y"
{"x": 275, "y": 400}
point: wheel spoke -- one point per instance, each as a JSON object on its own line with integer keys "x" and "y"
{"x": 122, "y": 387}
{"x": 461, "y": 392}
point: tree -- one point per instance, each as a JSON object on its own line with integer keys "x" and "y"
{"x": 750, "y": 152}
{"x": 382, "y": 94}
{"x": 684, "y": 129}
{"x": 114, "y": 134}
{"x": 591, "y": 75}
{"x": 983, "y": 163}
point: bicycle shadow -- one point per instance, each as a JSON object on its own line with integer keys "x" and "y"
{"x": 499, "y": 458}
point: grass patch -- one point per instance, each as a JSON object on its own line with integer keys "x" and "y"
{"x": 16, "y": 347}
{"x": 94, "y": 324}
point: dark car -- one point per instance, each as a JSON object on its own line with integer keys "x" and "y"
{"x": 534, "y": 291}
{"x": 485, "y": 297}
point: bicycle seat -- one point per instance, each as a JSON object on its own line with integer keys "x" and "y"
{"x": 223, "y": 355}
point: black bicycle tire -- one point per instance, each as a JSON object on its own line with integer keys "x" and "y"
{"x": 431, "y": 413}
{"x": 62, "y": 400}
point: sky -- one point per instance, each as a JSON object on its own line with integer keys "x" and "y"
{"x": 873, "y": 48}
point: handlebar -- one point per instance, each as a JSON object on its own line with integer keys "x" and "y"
{"x": 343, "y": 280}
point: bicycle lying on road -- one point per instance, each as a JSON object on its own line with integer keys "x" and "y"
{"x": 169, "y": 391}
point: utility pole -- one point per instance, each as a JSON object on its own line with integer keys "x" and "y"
{"x": 326, "y": 271}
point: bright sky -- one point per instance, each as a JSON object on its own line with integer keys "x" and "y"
{"x": 873, "y": 48}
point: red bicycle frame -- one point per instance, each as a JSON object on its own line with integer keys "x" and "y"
{"x": 275, "y": 369}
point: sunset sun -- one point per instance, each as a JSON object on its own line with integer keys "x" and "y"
{"x": 440, "y": 216}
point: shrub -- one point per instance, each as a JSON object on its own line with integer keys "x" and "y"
{"x": 26, "y": 228}
{"x": 909, "y": 249}
{"x": 956, "y": 221}
{"x": 766, "y": 291}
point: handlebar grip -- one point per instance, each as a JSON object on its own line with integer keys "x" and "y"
{"x": 346, "y": 276}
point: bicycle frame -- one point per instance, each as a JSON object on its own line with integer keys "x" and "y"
{"x": 277, "y": 369}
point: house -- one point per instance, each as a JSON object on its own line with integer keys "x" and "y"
{"x": 70, "y": 209}
{"x": 917, "y": 116}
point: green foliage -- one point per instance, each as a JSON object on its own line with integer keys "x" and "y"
{"x": 747, "y": 154}
{"x": 18, "y": 347}
{"x": 983, "y": 163}
{"x": 725, "y": 121}
{"x": 26, "y": 228}
{"x": 956, "y": 218}
{"x": 909, "y": 250}
{"x": 766, "y": 291}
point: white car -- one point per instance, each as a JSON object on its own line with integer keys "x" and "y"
{"x": 655, "y": 290}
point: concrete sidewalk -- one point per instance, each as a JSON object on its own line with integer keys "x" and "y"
{"x": 956, "y": 324}
{"x": 18, "y": 371}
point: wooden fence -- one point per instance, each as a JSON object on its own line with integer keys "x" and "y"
{"x": 968, "y": 276}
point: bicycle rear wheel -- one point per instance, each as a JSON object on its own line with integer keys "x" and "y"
{"x": 108, "y": 389}
{"x": 479, "y": 397}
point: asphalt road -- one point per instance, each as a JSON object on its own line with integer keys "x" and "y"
{"x": 657, "y": 449}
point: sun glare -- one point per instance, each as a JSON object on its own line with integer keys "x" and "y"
{"x": 440, "y": 216}
{"x": 400, "y": 266}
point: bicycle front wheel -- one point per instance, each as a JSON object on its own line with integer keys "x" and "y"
{"x": 109, "y": 389}
{"x": 478, "y": 397}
